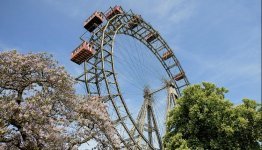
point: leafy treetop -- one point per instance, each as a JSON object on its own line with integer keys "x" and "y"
{"x": 204, "y": 119}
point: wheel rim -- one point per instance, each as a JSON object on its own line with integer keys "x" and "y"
{"x": 99, "y": 72}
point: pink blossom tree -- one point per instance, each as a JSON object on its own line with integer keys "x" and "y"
{"x": 40, "y": 110}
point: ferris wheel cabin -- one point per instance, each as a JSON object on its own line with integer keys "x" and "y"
{"x": 150, "y": 37}
{"x": 83, "y": 52}
{"x": 93, "y": 21}
{"x": 179, "y": 76}
{"x": 167, "y": 55}
{"x": 134, "y": 22}
{"x": 114, "y": 11}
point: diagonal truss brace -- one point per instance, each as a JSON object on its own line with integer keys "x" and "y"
{"x": 146, "y": 121}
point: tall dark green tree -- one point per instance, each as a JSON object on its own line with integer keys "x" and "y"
{"x": 204, "y": 119}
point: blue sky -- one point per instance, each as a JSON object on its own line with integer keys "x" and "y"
{"x": 215, "y": 41}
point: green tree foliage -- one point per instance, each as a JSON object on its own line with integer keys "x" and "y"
{"x": 204, "y": 119}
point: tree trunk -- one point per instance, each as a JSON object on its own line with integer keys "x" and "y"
{"x": 19, "y": 97}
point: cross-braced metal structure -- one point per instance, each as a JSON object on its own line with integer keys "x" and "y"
{"x": 99, "y": 73}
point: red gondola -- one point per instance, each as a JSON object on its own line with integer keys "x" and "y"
{"x": 134, "y": 22}
{"x": 116, "y": 10}
{"x": 83, "y": 52}
{"x": 179, "y": 76}
{"x": 167, "y": 55}
{"x": 150, "y": 37}
{"x": 93, "y": 21}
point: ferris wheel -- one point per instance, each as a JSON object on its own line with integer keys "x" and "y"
{"x": 129, "y": 64}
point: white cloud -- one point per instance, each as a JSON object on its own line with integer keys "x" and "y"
{"x": 174, "y": 11}
{"x": 237, "y": 62}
